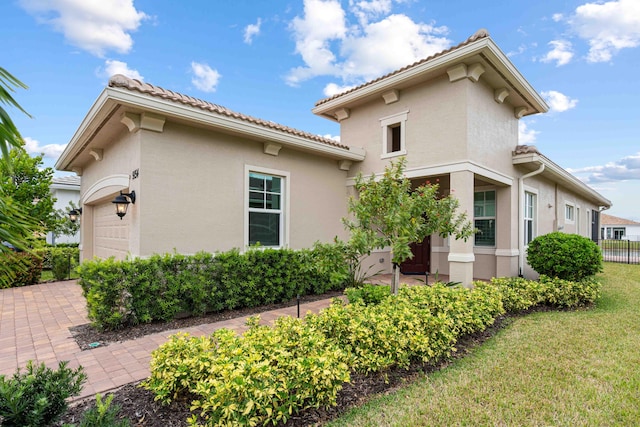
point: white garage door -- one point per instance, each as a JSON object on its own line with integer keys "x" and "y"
{"x": 110, "y": 233}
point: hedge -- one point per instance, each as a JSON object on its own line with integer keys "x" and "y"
{"x": 122, "y": 293}
{"x": 270, "y": 373}
{"x": 24, "y": 268}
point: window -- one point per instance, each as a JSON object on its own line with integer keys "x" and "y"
{"x": 484, "y": 215}
{"x": 569, "y": 214}
{"x": 265, "y": 210}
{"x": 529, "y": 217}
{"x": 618, "y": 233}
{"x": 393, "y": 135}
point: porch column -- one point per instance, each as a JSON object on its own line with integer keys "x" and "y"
{"x": 461, "y": 255}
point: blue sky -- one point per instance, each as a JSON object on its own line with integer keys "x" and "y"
{"x": 274, "y": 59}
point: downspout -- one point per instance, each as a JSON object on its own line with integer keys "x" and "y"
{"x": 521, "y": 217}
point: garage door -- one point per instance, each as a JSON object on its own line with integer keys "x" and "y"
{"x": 110, "y": 233}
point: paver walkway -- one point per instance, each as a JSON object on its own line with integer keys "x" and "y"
{"x": 35, "y": 322}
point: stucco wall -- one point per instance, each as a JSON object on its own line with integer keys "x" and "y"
{"x": 192, "y": 185}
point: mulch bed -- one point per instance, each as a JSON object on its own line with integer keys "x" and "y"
{"x": 138, "y": 405}
{"x": 89, "y": 337}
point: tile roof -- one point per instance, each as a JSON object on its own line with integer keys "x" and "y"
{"x": 614, "y": 220}
{"x": 526, "y": 149}
{"x": 121, "y": 81}
{"x": 480, "y": 34}
{"x": 66, "y": 180}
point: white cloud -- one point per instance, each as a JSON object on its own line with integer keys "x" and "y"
{"x": 51, "y": 151}
{"x": 561, "y": 52}
{"x": 526, "y": 136}
{"x": 608, "y": 27}
{"x": 118, "y": 67}
{"x": 252, "y": 30}
{"x": 557, "y": 17}
{"x": 96, "y": 26}
{"x": 558, "y": 102}
{"x": 205, "y": 78}
{"x": 334, "y": 89}
{"x": 334, "y": 137}
{"x": 331, "y": 46}
{"x": 625, "y": 169}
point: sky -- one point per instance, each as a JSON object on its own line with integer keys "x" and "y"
{"x": 274, "y": 59}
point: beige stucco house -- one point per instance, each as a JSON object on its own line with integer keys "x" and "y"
{"x": 206, "y": 178}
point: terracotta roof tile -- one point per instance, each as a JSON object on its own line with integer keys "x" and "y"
{"x": 480, "y": 34}
{"x": 526, "y": 149}
{"x": 614, "y": 220}
{"x": 121, "y": 81}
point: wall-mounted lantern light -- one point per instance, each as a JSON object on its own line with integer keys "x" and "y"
{"x": 74, "y": 214}
{"x": 122, "y": 203}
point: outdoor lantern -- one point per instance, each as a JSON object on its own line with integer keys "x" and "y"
{"x": 122, "y": 203}
{"x": 74, "y": 214}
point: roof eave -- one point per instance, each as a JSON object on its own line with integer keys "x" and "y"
{"x": 484, "y": 45}
{"x": 562, "y": 176}
{"x": 111, "y": 96}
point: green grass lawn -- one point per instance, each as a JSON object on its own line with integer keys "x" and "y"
{"x": 577, "y": 368}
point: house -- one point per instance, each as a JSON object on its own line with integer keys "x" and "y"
{"x": 65, "y": 189}
{"x": 207, "y": 178}
{"x": 613, "y": 227}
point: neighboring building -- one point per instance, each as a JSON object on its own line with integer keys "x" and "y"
{"x": 613, "y": 227}
{"x": 65, "y": 189}
{"x": 206, "y": 178}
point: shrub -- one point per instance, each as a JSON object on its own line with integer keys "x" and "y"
{"x": 24, "y": 269}
{"x": 38, "y": 396}
{"x": 517, "y": 293}
{"x": 102, "y": 415}
{"x": 121, "y": 293}
{"x": 566, "y": 256}
{"x": 567, "y": 293}
{"x": 368, "y": 294}
{"x": 264, "y": 376}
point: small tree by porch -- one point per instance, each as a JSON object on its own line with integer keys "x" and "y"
{"x": 388, "y": 213}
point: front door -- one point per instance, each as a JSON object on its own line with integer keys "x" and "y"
{"x": 421, "y": 261}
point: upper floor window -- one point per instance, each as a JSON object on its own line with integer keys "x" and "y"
{"x": 569, "y": 212}
{"x": 484, "y": 217}
{"x": 394, "y": 135}
{"x": 529, "y": 217}
{"x": 265, "y": 210}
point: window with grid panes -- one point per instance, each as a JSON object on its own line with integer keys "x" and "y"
{"x": 265, "y": 209}
{"x": 484, "y": 217}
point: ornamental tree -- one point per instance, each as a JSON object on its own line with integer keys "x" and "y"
{"x": 27, "y": 182}
{"x": 389, "y": 213}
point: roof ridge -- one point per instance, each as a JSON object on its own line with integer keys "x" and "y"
{"x": 124, "y": 82}
{"x": 480, "y": 34}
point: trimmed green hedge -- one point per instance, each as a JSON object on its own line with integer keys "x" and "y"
{"x": 566, "y": 256}
{"x": 121, "y": 293}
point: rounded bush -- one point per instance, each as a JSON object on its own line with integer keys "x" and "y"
{"x": 565, "y": 256}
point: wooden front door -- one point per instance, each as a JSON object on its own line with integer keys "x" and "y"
{"x": 421, "y": 261}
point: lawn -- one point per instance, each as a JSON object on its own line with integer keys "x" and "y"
{"x": 567, "y": 368}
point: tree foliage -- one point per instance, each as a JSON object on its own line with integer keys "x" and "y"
{"x": 388, "y": 212}
{"x": 28, "y": 183}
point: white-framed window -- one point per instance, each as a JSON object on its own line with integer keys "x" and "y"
{"x": 530, "y": 213}
{"x": 569, "y": 212}
{"x": 266, "y": 212}
{"x": 394, "y": 135}
{"x": 484, "y": 217}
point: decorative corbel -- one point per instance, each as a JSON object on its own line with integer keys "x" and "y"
{"x": 391, "y": 96}
{"x": 153, "y": 122}
{"x": 344, "y": 165}
{"x": 457, "y": 72}
{"x": 97, "y": 153}
{"x": 131, "y": 121}
{"x": 272, "y": 148}
{"x": 500, "y": 94}
{"x": 474, "y": 71}
{"x": 342, "y": 113}
{"x": 519, "y": 112}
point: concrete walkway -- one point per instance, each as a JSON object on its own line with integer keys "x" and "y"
{"x": 35, "y": 322}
